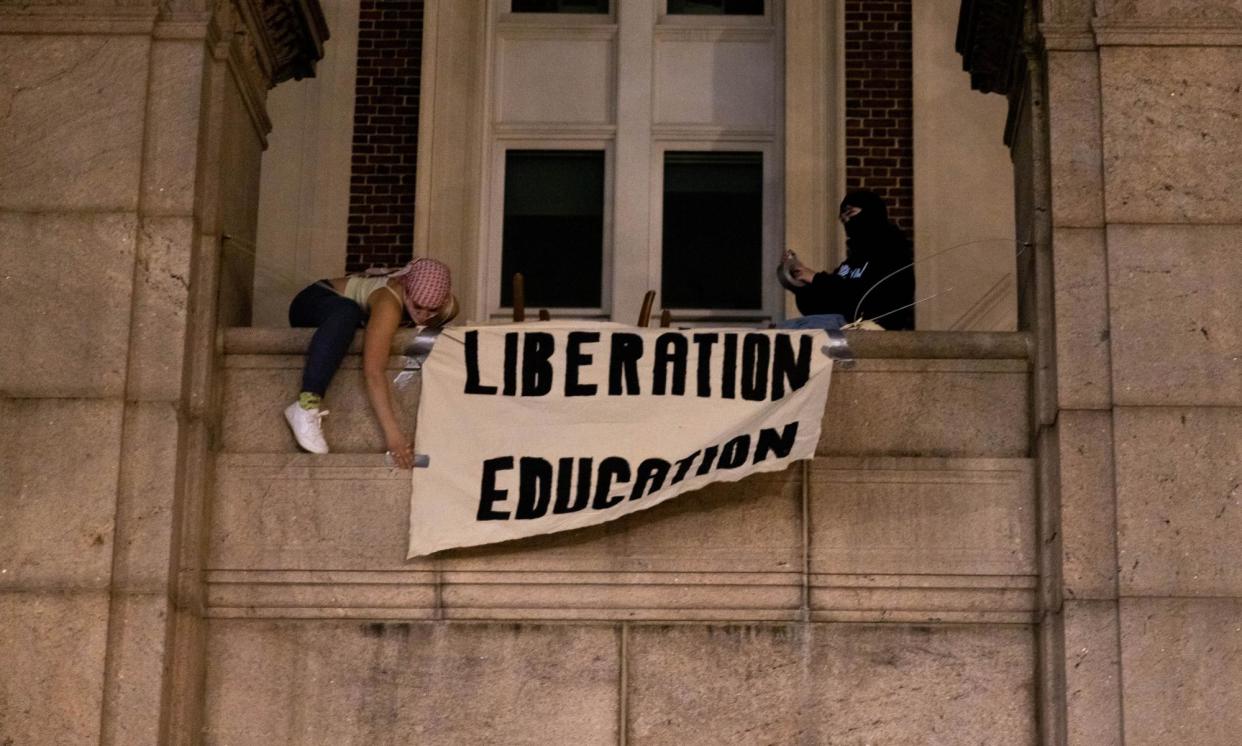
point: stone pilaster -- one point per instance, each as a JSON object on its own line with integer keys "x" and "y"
{"x": 1143, "y": 120}
{"x": 131, "y": 143}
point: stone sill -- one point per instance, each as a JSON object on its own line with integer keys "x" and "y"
{"x": 875, "y": 345}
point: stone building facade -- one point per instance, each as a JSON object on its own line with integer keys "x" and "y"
{"x": 1008, "y": 537}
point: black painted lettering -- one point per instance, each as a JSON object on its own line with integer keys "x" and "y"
{"x": 683, "y": 467}
{"x": 772, "y": 443}
{"x": 671, "y": 349}
{"x": 649, "y": 477}
{"x": 709, "y": 459}
{"x": 537, "y": 350}
{"x": 575, "y": 359}
{"x": 756, "y": 357}
{"x": 610, "y": 469}
{"x": 511, "y": 355}
{"x": 623, "y": 364}
{"x": 566, "y": 485}
{"x": 704, "y": 372}
{"x": 473, "y": 385}
{"x": 534, "y": 488}
{"x": 728, "y": 368}
{"x": 488, "y": 494}
{"x": 787, "y": 368}
{"x": 735, "y": 452}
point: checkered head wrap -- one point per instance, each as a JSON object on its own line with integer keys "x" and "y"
{"x": 426, "y": 282}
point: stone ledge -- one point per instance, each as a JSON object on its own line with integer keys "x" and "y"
{"x": 1155, "y": 35}
{"x": 322, "y": 537}
{"x": 79, "y": 19}
{"x": 896, "y": 345}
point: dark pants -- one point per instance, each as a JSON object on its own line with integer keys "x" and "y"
{"x": 337, "y": 318}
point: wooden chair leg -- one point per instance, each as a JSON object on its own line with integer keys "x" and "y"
{"x": 644, "y": 315}
{"x": 666, "y": 319}
{"x": 519, "y": 297}
{"x": 544, "y": 315}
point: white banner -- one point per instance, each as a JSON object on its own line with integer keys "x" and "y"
{"x": 535, "y": 428}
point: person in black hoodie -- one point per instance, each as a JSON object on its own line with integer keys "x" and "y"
{"x": 877, "y": 270}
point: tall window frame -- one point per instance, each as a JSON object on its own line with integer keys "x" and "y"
{"x": 494, "y": 282}
{"x": 635, "y": 135}
{"x": 770, "y": 293}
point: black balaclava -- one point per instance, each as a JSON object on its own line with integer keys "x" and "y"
{"x": 872, "y": 222}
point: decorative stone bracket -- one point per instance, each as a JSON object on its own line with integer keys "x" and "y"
{"x": 289, "y": 36}
{"x": 989, "y": 38}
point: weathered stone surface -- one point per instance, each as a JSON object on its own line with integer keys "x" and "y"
{"x": 242, "y": 138}
{"x": 830, "y": 683}
{"x": 902, "y": 407}
{"x": 58, "y": 478}
{"x": 1172, "y": 128}
{"x": 1179, "y": 501}
{"x": 145, "y": 498}
{"x": 327, "y": 536}
{"x": 425, "y": 683}
{"x": 1084, "y": 374}
{"x": 753, "y": 525}
{"x": 1176, "y": 321}
{"x": 172, "y": 137}
{"x": 927, "y": 408}
{"x": 70, "y": 278}
{"x": 1092, "y": 673}
{"x": 1181, "y": 665}
{"x": 161, "y": 291}
{"x": 1074, "y": 137}
{"x": 137, "y": 637}
{"x": 933, "y": 516}
{"x": 52, "y": 653}
{"x": 257, "y": 389}
{"x": 1173, "y": 12}
{"x": 1088, "y": 504}
{"x": 304, "y": 512}
{"x": 729, "y": 551}
{"x": 72, "y": 108}
{"x": 1067, "y": 13}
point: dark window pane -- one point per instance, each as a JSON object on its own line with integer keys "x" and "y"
{"x": 716, "y": 7}
{"x": 554, "y": 227}
{"x": 560, "y": 6}
{"x": 713, "y": 230}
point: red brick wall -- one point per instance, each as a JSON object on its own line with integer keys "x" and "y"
{"x": 385, "y": 148}
{"x": 879, "y": 107}
{"x": 878, "y": 129}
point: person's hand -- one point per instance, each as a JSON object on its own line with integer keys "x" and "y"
{"x": 797, "y": 269}
{"x": 401, "y": 451}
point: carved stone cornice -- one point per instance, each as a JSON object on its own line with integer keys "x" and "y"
{"x": 989, "y": 38}
{"x": 288, "y": 36}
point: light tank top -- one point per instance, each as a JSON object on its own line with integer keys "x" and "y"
{"x": 358, "y": 288}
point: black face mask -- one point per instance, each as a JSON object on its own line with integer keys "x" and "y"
{"x": 872, "y": 218}
{"x": 864, "y": 225}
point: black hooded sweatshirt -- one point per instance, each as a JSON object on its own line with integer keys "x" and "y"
{"x": 877, "y": 255}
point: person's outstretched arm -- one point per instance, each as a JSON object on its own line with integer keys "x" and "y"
{"x": 376, "y": 345}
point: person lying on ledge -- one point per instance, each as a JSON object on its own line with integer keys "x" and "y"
{"x": 420, "y": 292}
{"x": 877, "y": 272}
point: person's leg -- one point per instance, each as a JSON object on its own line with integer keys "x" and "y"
{"x": 829, "y": 321}
{"x": 337, "y": 319}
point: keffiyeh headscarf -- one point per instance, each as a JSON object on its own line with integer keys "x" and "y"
{"x": 427, "y": 283}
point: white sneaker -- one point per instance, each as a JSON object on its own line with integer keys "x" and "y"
{"x": 307, "y": 428}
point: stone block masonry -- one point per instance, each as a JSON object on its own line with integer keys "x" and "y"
{"x": 385, "y": 147}
{"x": 879, "y": 104}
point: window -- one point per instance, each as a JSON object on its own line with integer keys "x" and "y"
{"x": 713, "y": 230}
{"x": 553, "y": 231}
{"x": 716, "y": 7}
{"x": 560, "y": 6}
